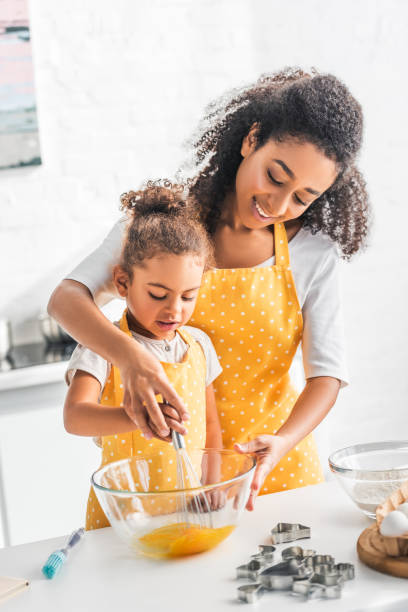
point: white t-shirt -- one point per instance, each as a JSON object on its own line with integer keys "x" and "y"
{"x": 172, "y": 351}
{"x": 315, "y": 266}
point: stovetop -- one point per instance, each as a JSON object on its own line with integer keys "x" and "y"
{"x": 40, "y": 353}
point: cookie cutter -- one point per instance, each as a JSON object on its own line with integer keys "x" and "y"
{"x": 250, "y": 593}
{"x": 321, "y": 564}
{"x": 346, "y": 570}
{"x": 289, "y": 532}
{"x": 265, "y": 554}
{"x": 326, "y": 579}
{"x": 302, "y": 572}
{"x": 320, "y": 561}
{"x": 297, "y": 552}
{"x": 309, "y": 590}
{"x": 251, "y": 570}
{"x": 280, "y": 577}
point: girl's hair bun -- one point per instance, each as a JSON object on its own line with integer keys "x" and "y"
{"x": 161, "y": 222}
{"x": 161, "y": 197}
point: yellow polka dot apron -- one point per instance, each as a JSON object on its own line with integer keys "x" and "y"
{"x": 188, "y": 379}
{"x": 253, "y": 317}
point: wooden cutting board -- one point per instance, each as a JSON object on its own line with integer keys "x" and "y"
{"x": 10, "y": 587}
{"x": 370, "y": 554}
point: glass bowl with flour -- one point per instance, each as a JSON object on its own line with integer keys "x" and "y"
{"x": 370, "y": 472}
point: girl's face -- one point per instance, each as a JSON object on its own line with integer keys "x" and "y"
{"x": 162, "y": 293}
{"x": 279, "y": 181}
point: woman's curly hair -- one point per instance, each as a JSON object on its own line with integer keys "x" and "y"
{"x": 309, "y": 107}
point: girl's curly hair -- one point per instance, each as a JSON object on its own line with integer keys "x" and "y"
{"x": 309, "y": 107}
{"x": 161, "y": 222}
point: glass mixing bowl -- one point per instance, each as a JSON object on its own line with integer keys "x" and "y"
{"x": 369, "y": 473}
{"x": 165, "y": 522}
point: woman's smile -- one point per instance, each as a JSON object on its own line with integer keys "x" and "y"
{"x": 259, "y": 213}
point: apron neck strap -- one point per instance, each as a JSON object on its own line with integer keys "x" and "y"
{"x": 123, "y": 323}
{"x": 184, "y": 335}
{"x": 281, "y": 245}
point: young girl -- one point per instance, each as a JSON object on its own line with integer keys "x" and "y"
{"x": 164, "y": 255}
{"x": 279, "y": 192}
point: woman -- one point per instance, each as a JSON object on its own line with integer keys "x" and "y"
{"x": 280, "y": 195}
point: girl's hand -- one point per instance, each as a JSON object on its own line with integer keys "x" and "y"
{"x": 216, "y": 499}
{"x": 172, "y": 419}
{"x": 211, "y": 475}
{"x": 268, "y": 451}
{"x": 143, "y": 378}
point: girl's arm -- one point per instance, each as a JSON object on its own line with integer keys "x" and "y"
{"x": 72, "y": 305}
{"x": 84, "y": 416}
{"x": 315, "y": 401}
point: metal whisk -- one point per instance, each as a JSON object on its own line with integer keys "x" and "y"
{"x": 187, "y": 478}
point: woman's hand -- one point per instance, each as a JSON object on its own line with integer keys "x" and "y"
{"x": 143, "y": 378}
{"x": 72, "y": 305}
{"x": 268, "y": 451}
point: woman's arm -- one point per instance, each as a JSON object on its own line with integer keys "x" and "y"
{"x": 72, "y": 305}
{"x": 317, "y": 398}
{"x": 212, "y": 464}
{"x": 315, "y": 401}
{"x": 213, "y": 437}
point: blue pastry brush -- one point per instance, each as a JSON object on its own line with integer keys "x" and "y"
{"x": 57, "y": 559}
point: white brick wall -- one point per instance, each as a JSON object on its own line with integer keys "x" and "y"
{"x": 121, "y": 84}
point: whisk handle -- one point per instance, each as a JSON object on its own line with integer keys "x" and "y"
{"x": 178, "y": 440}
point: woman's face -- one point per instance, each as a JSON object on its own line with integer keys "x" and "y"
{"x": 279, "y": 181}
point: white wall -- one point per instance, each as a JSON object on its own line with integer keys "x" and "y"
{"x": 121, "y": 85}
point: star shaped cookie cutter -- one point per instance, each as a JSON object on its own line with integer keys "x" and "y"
{"x": 289, "y": 532}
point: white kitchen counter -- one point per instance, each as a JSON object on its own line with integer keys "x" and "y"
{"x": 103, "y": 575}
{"x": 46, "y": 373}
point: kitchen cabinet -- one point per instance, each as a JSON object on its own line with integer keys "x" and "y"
{"x": 45, "y": 471}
